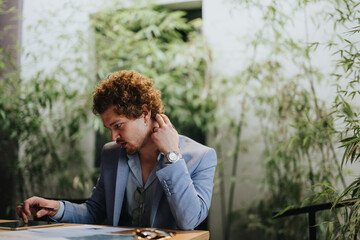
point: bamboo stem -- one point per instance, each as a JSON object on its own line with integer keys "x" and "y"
{"x": 222, "y": 185}
{"x": 234, "y": 171}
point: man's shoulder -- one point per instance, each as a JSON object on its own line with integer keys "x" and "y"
{"x": 110, "y": 146}
{"x": 187, "y": 143}
{"x": 111, "y": 153}
{"x": 194, "y": 152}
{"x": 112, "y": 149}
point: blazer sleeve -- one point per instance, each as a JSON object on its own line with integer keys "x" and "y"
{"x": 189, "y": 194}
{"x": 93, "y": 211}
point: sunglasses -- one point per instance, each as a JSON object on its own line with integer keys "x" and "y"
{"x": 138, "y": 213}
{"x": 152, "y": 233}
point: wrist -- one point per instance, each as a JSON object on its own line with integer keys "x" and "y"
{"x": 55, "y": 204}
{"x": 172, "y": 157}
{"x": 59, "y": 214}
{"x": 171, "y": 150}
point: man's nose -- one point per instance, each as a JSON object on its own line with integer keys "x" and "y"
{"x": 114, "y": 135}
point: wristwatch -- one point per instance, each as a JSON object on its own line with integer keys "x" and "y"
{"x": 172, "y": 157}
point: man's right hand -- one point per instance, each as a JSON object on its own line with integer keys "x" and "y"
{"x": 34, "y": 207}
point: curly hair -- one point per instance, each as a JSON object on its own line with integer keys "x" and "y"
{"x": 127, "y": 92}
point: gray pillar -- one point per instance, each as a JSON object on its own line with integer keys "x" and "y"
{"x": 10, "y": 39}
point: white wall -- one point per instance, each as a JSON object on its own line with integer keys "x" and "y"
{"x": 51, "y": 37}
{"x": 57, "y": 38}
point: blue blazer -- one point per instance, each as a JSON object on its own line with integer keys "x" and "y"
{"x": 183, "y": 195}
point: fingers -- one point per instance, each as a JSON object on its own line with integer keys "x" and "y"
{"x": 24, "y": 217}
{"x": 18, "y": 210}
{"x": 165, "y": 136}
{"x": 21, "y": 213}
{"x": 33, "y": 207}
{"x": 166, "y": 119}
{"x": 159, "y": 120}
{"x": 41, "y": 213}
{"x": 26, "y": 207}
{"x": 162, "y": 120}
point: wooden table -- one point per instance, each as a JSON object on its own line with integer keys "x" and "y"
{"x": 180, "y": 234}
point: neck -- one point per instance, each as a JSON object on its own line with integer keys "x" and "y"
{"x": 149, "y": 149}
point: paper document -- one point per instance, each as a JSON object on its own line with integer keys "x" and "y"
{"x": 82, "y": 232}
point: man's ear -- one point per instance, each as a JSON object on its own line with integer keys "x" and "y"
{"x": 146, "y": 111}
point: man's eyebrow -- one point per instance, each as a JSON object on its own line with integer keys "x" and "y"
{"x": 113, "y": 122}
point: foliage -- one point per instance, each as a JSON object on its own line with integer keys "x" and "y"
{"x": 298, "y": 129}
{"x": 46, "y": 117}
{"x": 346, "y": 15}
{"x": 162, "y": 45}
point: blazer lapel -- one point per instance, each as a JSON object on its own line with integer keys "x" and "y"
{"x": 121, "y": 180}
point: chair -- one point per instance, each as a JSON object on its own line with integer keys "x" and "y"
{"x": 311, "y": 211}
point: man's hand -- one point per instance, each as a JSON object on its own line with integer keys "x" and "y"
{"x": 165, "y": 136}
{"x": 36, "y": 206}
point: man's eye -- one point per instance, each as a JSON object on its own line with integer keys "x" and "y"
{"x": 118, "y": 125}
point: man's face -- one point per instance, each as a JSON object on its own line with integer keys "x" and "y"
{"x": 129, "y": 133}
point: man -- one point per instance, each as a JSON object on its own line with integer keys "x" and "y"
{"x": 150, "y": 176}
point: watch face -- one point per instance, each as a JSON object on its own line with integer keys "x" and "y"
{"x": 172, "y": 156}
